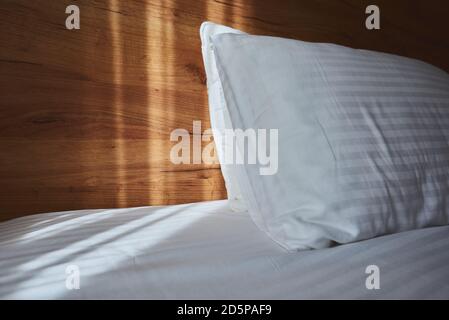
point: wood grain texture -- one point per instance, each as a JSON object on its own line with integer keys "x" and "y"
{"x": 86, "y": 114}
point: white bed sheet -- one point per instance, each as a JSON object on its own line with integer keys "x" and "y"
{"x": 205, "y": 251}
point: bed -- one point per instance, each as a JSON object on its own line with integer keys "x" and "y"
{"x": 206, "y": 251}
{"x": 356, "y": 206}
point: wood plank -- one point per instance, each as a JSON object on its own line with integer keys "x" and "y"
{"x": 86, "y": 115}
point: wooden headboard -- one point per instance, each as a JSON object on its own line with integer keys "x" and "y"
{"x": 86, "y": 114}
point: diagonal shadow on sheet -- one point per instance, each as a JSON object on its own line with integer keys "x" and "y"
{"x": 71, "y": 240}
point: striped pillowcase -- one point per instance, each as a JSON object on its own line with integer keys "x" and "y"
{"x": 363, "y": 138}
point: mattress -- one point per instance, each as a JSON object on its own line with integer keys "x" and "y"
{"x": 205, "y": 251}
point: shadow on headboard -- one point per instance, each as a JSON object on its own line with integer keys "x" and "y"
{"x": 86, "y": 114}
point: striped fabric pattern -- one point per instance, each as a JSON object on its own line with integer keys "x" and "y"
{"x": 389, "y": 133}
{"x": 364, "y": 138}
{"x": 206, "y": 251}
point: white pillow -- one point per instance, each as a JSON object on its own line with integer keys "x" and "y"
{"x": 363, "y": 138}
{"x": 219, "y": 116}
